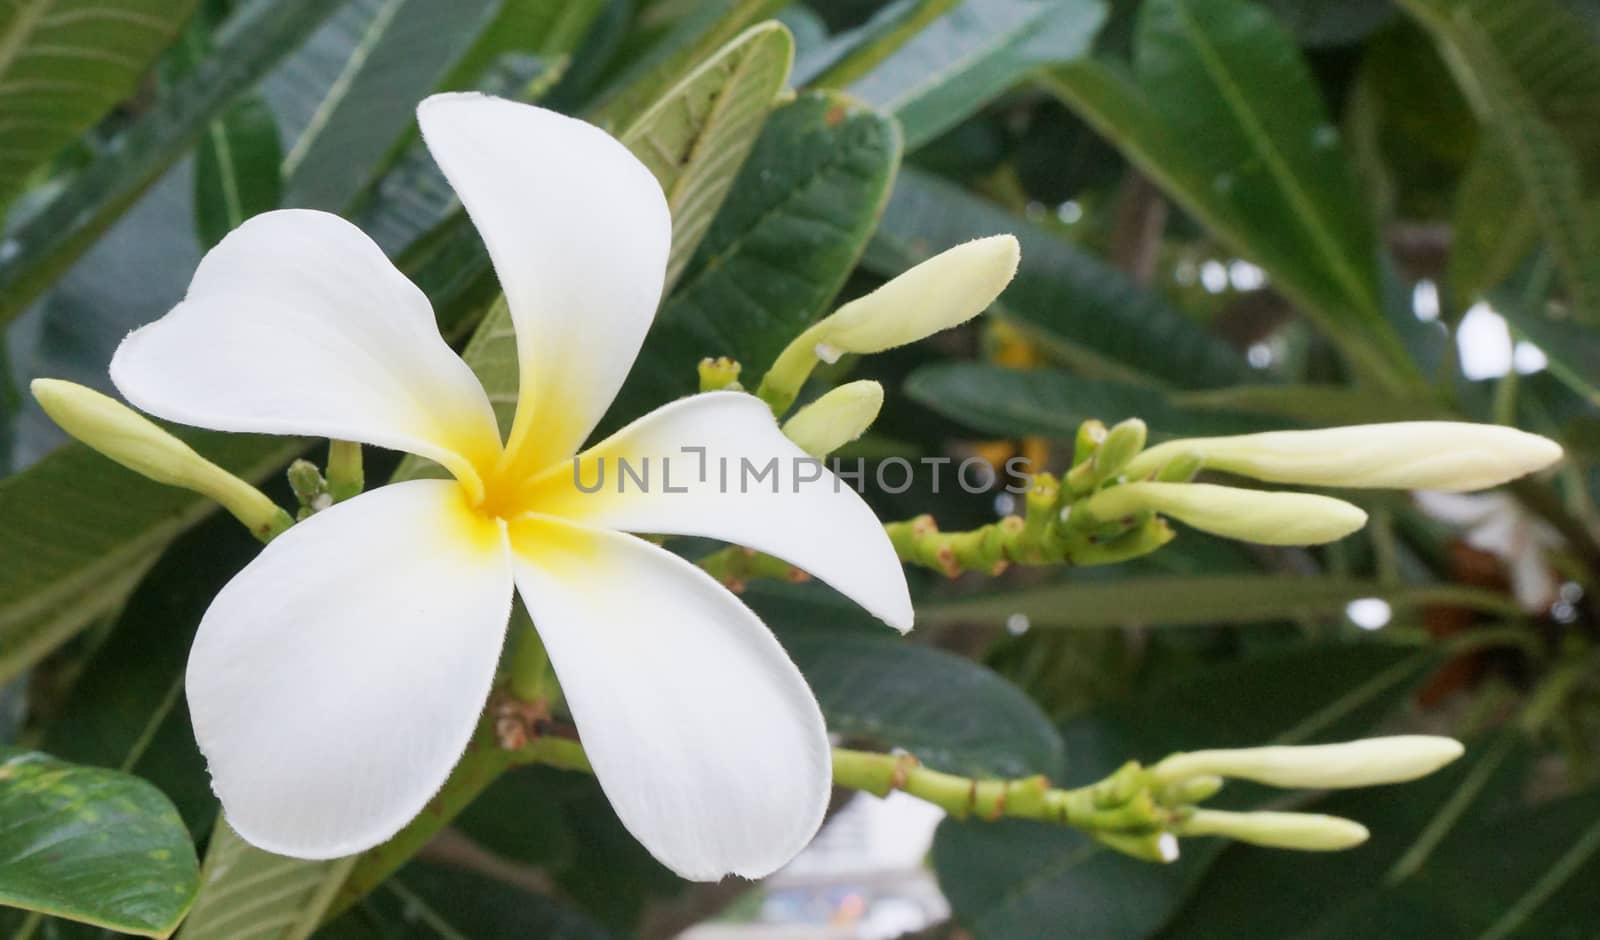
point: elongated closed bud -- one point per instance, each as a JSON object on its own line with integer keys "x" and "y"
{"x": 1323, "y": 766}
{"x": 1308, "y": 832}
{"x": 1416, "y": 455}
{"x": 835, "y": 419}
{"x": 944, "y": 291}
{"x": 1248, "y": 515}
{"x": 136, "y": 442}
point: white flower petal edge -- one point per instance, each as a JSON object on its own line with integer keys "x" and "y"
{"x": 800, "y": 512}
{"x": 578, "y": 230}
{"x": 296, "y": 323}
{"x": 337, "y": 679}
{"x": 703, "y": 734}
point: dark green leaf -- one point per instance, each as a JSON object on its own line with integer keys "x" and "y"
{"x": 64, "y": 64}
{"x": 435, "y": 902}
{"x": 236, "y": 170}
{"x": 1531, "y": 70}
{"x": 1181, "y": 600}
{"x": 1072, "y": 302}
{"x": 349, "y": 94}
{"x": 80, "y": 532}
{"x": 876, "y": 685}
{"x": 1020, "y": 879}
{"x": 778, "y": 251}
{"x": 1052, "y": 403}
{"x": 962, "y": 60}
{"x": 92, "y": 845}
{"x": 1224, "y": 115}
{"x": 1528, "y": 875}
{"x": 52, "y": 238}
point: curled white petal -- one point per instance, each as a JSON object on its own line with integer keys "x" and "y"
{"x": 296, "y": 323}
{"x": 716, "y": 465}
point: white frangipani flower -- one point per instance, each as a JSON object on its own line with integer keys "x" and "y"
{"x": 336, "y": 680}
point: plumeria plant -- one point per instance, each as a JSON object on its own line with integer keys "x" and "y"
{"x": 647, "y": 434}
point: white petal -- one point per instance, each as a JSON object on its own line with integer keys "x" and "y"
{"x": 336, "y": 680}
{"x": 296, "y": 323}
{"x": 578, "y": 230}
{"x": 699, "y": 727}
{"x": 799, "y": 512}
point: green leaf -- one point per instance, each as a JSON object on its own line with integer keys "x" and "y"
{"x": 1319, "y": 23}
{"x": 959, "y": 62}
{"x": 1185, "y": 600}
{"x": 705, "y": 29}
{"x": 80, "y": 532}
{"x": 236, "y": 170}
{"x": 126, "y": 709}
{"x": 1018, "y": 879}
{"x": 695, "y": 138}
{"x": 1317, "y": 405}
{"x": 1074, "y": 304}
{"x": 1531, "y": 875}
{"x": 545, "y": 29}
{"x": 954, "y": 714}
{"x": 1572, "y": 349}
{"x": 438, "y": 902}
{"x": 64, "y": 64}
{"x": 50, "y": 239}
{"x": 778, "y": 251}
{"x": 92, "y": 845}
{"x": 351, "y": 91}
{"x": 1225, "y": 116}
{"x": 1493, "y": 227}
{"x": 1052, "y": 403}
{"x": 245, "y": 891}
{"x": 841, "y": 60}
{"x": 1530, "y": 68}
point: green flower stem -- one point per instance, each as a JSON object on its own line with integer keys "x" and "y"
{"x": 345, "y": 475}
{"x": 735, "y": 566}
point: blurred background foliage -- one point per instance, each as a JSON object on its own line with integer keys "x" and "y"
{"x": 1235, "y": 215}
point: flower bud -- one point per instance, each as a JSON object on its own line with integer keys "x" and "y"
{"x": 1123, "y": 443}
{"x": 944, "y": 291}
{"x": 1308, "y": 832}
{"x": 1420, "y": 455}
{"x": 1248, "y": 515}
{"x": 835, "y": 419}
{"x": 1323, "y": 766}
{"x": 136, "y": 442}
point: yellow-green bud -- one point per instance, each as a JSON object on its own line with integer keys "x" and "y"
{"x": 835, "y": 419}
{"x": 1091, "y": 434}
{"x": 944, "y": 291}
{"x": 136, "y": 442}
{"x": 1308, "y": 832}
{"x": 1193, "y": 789}
{"x": 1181, "y": 468}
{"x": 1123, "y": 442}
{"x": 1323, "y": 766}
{"x": 1420, "y": 455}
{"x": 1248, "y": 515}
